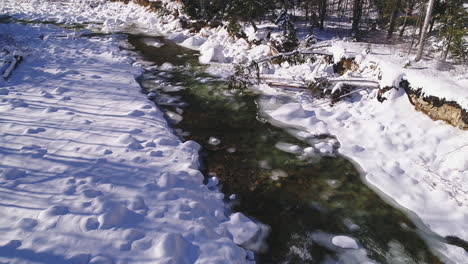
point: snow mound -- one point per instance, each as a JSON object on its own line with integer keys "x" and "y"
{"x": 211, "y": 54}
{"x": 174, "y": 248}
{"x": 98, "y": 174}
{"x": 194, "y": 41}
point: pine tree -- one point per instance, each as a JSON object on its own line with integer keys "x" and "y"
{"x": 289, "y": 32}
{"x": 454, "y": 29}
{"x": 395, "y": 8}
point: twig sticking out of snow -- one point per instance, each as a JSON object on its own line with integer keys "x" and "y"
{"x": 15, "y": 59}
{"x": 342, "y": 96}
{"x": 10, "y": 68}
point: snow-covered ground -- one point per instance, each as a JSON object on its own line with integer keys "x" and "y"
{"x": 434, "y": 77}
{"x": 419, "y": 163}
{"x": 90, "y": 169}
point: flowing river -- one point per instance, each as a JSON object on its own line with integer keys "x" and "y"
{"x": 305, "y": 202}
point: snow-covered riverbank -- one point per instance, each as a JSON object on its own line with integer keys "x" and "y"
{"x": 403, "y": 153}
{"x": 90, "y": 169}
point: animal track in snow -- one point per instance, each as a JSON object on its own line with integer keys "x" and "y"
{"x": 4, "y": 91}
{"x": 91, "y": 223}
{"x": 115, "y": 214}
{"x": 34, "y": 150}
{"x": 69, "y": 190}
{"x": 27, "y": 224}
{"x": 135, "y": 131}
{"x": 133, "y": 234}
{"x": 17, "y": 103}
{"x": 13, "y": 174}
{"x": 56, "y": 210}
{"x": 150, "y": 145}
{"x": 34, "y": 130}
{"x": 46, "y": 94}
{"x": 136, "y": 113}
{"x": 50, "y": 109}
{"x": 101, "y": 260}
{"x": 146, "y": 106}
{"x": 92, "y": 193}
{"x": 156, "y": 153}
{"x": 60, "y": 90}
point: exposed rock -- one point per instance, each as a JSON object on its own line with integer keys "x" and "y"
{"x": 437, "y": 108}
{"x": 344, "y": 65}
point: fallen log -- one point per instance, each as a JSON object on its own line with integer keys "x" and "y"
{"x": 362, "y": 82}
{"x": 289, "y": 85}
{"x": 294, "y": 53}
{"x": 356, "y": 82}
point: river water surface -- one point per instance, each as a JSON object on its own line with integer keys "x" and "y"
{"x": 305, "y": 202}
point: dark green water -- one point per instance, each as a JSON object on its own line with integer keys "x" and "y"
{"x": 316, "y": 200}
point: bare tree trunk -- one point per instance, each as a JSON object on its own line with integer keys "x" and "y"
{"x": 447, "y": 48}
{"x": 338, "y": 8}
{"x": 430, "y": 6}
{"x": 253, "y": 24}
{"x": 408, "y": 13}
{"x": 431, "y": 26}
{"x": 322, "y": 12}
{"x": 357, "y": 11}
{"x": 393, "y": 17}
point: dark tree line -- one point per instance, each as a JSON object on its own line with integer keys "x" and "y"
{"x": 448, "y": 18}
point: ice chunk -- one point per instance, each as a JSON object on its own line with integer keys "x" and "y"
{"x": 214, "y": 141}
{"x": 166, "y": 67}
{"x": 277, "y": 174}
{"x": 344, "y": 242}
{"x": 241, "y": 228}
{"x": 212, "y": 182}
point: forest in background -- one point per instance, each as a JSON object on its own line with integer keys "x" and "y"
{"x": 401, "y": 19}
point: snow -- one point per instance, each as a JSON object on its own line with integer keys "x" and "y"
{"x": 242, "y": 228}
{"x": 391, "y": 66}
{"x": 346, "y": 249}
{"x": 214, "y": 141}
{"x": 344, "y": 242}
{"x": 412, "y": 161}
{"x": 339, "y": 52}
{"x": 211, "y": 53}
{"x": 104, "y": 15}
{"x": 90, "y": 171}
{"x": 419, "y": 163}
{"x": 194, "y": 42}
